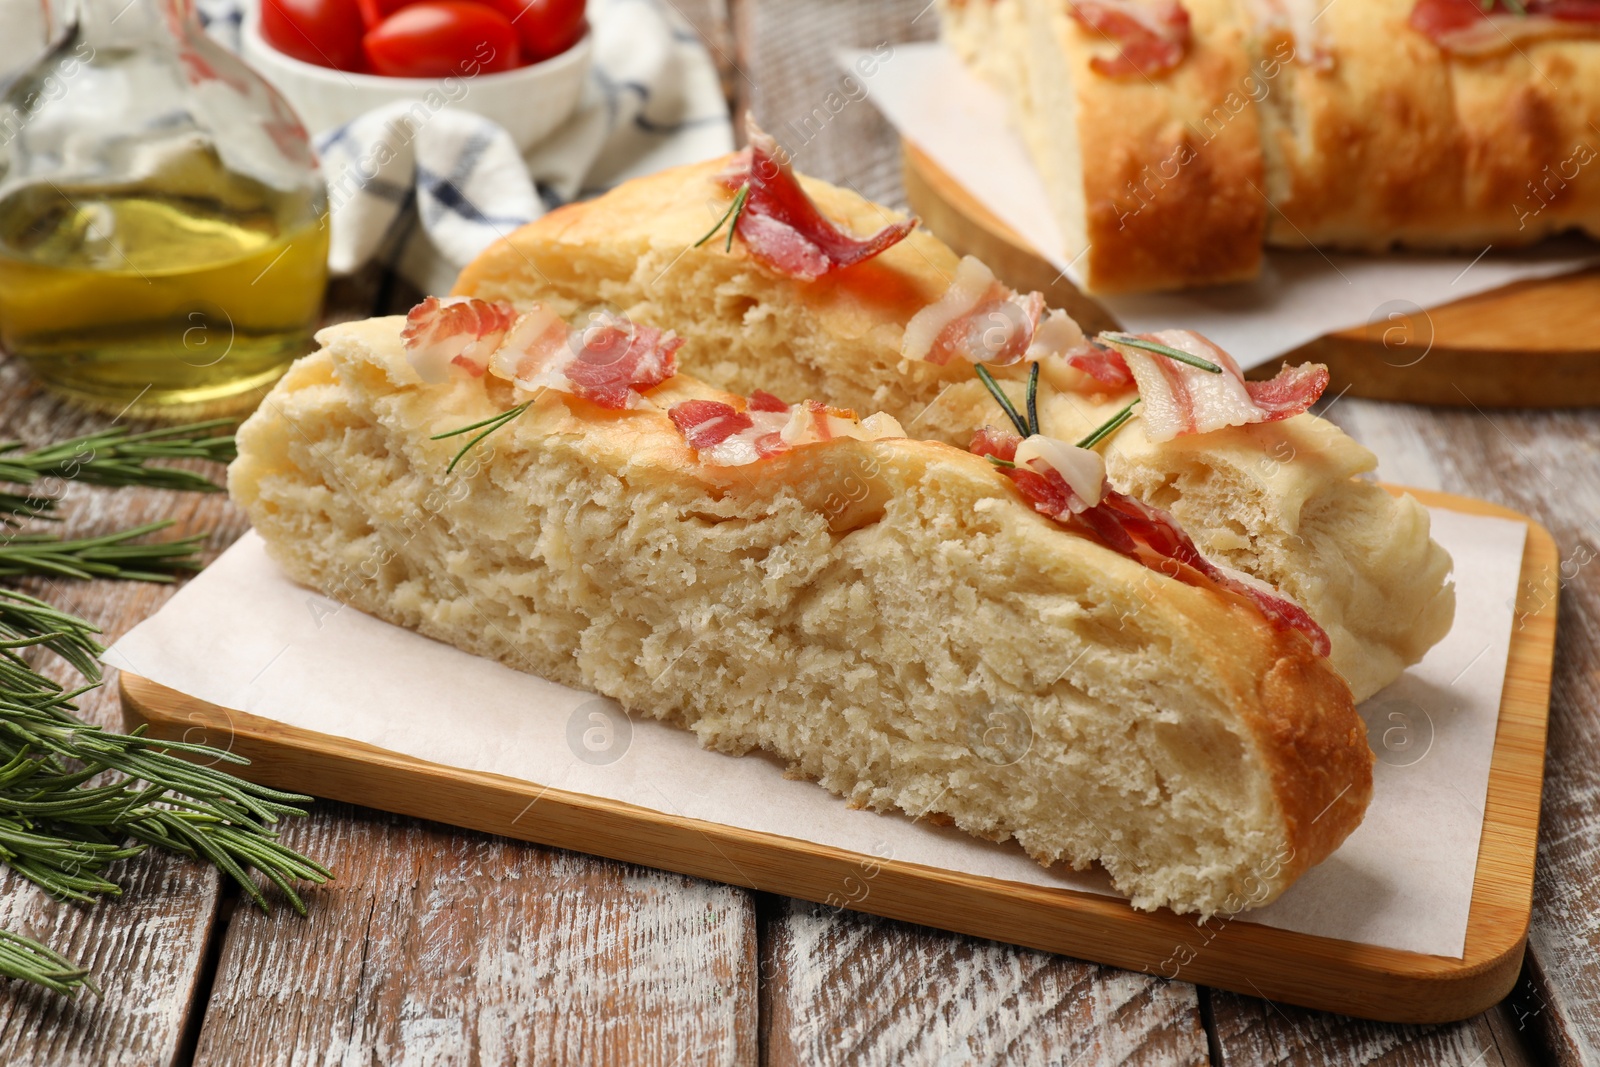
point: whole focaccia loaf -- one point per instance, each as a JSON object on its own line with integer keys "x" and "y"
{"x": 1293, "y": 123}
{"x": 1282, "y": 501}
{"x": 857, "y": 607}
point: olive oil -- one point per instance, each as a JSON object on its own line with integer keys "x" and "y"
{"x": 187, "y": 296}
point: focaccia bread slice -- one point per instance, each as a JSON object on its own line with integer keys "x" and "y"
{"x": 860, "y": 608}
{"x": 1283, "y": 501}
{"x": 1153, "y": 187}
{"x": 1343, "y": 125}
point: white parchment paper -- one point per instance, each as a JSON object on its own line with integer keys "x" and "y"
{"x": 961, "y": 123}
{"x": 243, "y": 636}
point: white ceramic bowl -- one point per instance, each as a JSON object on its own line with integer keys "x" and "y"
{"x": 530, "y": 102}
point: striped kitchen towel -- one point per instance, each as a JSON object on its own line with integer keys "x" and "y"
{"x": 428, "y": 197}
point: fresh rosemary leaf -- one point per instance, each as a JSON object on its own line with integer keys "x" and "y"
{"x": 493, "y": 422}
{"x": 108, "y": 556}
{"x": 1033, "y": 397}
{"x": 735, "y": 209}
{"x": 17, "y": 508}
{"x": 1163, "y": 350}
{"x": 76, "y": 798}
{"x": 1004, "y": 401}
{"x": 116, "y": 457}
{"x": 1108, "y": 427}
{"x": 25, "y": 958}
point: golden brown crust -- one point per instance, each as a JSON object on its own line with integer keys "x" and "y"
{"x": 1400, "y": 143}
{"x": 1173, "y": 174}
{"x": 1321, "y": 763}
{"x": 1395, "y": 142}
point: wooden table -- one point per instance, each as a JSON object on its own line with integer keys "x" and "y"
{"x": 442, "y": 946}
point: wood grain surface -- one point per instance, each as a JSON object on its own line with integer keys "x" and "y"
{"x": 439, "y": 946}
{"x": 1543, "y": 463}
{"x": 1528, "y": 343}
{"x": 841, "y": 987}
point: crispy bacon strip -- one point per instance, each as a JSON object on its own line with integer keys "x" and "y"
{"x": 1140, "y": 532}
{"x": 1151, "y": 37}
{"x": 457, "y": 331}
{"x": 1179, "y": 399}
{"x": 782, "y": 227}
{"x": 1467, "y": 28}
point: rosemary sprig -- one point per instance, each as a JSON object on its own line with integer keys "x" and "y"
{"x": 25, "y": 958}
{"x": 75, "y": 798}
{"x": 117, "y": 457}
{"x": 735, "y": 209}
{"x": 108, "y": 556}
{"x": 17, "y": 508}
{"x": 1029, "y": 426}
{"x": 1163, "y": 350}
{"x": 1021, "y": 424}
{"x": 493, "y": 422}
{"x": 1110, "y": 426}
{"x": 1033, "y": 397}
{"x": 62, "y": 834}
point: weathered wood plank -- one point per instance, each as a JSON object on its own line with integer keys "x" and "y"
{"x": 1249, "y": 1032}
{"x": 441, "y": 946}
{"x": 147, "y": 950}
{"x": 841, "y": 987}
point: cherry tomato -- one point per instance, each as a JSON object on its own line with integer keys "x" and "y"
{"x": 545, "y": 27}
{"x": 375, "y": 11}
{"x": 324, "y": 32}
{"x": 437, "y": 38}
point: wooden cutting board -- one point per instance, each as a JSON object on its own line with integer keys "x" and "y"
{"x": 1532, "y": 344}
{"x": 1236, "y": 954}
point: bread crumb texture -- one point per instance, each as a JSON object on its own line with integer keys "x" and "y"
{"x": 1281, "y": 501}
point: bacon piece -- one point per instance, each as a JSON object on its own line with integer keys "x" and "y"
{"x": 1055, "y": 337}
{"x": 782, "y": 227}
{"x": 978, "y": 319}
{"x": 458, "y": 331}
{"x": 1180, "y": 399}
{"x": 1291, "y": 391}
{"x": 760, "y": 400}
{"x": 610, "y": 362}
{"x": 1467, "y": 28}
{"x": 707, "y": 423}
{"x": 1152, "y": 37}
{"x": 618, "y": 358}
{"x": 1083, "y": 469}
{"x": 1143, "y": 533}
{"x": 728, "y": 437}
{"x": 537, "y": 340}
{"x": 1104, "y": 365}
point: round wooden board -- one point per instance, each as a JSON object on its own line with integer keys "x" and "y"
{"x": 1532, "y": 344}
